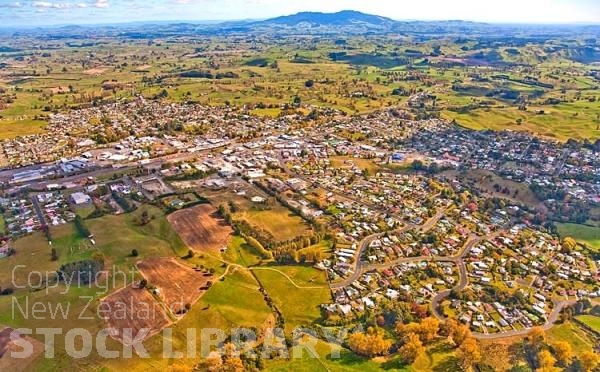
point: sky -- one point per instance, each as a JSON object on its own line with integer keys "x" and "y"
{"x": 55, "y": 12}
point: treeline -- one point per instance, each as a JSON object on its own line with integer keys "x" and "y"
{"x": 81, "y": 272}
{"x": 309, "y": 219}
{"x": 282, "y": 251}
{"x": 123, "y": 202}
{"x": 209, "y": 75}
{"x": 82, "y": 230}
{"x": 260, "y": 249}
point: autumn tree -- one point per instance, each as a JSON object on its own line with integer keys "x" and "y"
{"x": 457, "y": 332}
{"x": 563, "y": 352}
{"x": 369, "y": 344}
{"x": 427, "y": 330}
{"x": 412, "y": 348}
{"x": 232, "y": 365}
{"x": 496, "y": 355}
{"x": 568, "y": 244}
{"x": 211, "y": 364}
{"x": 589, "y": 361}
{"x": 546, "y": 362}
{"x": 536, "y": 336}
{"x": 468, "y": 354}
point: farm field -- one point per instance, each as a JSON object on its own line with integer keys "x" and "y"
{"x": 178, "y": 284}
{"x": 276, "y": 219}
{"x": 7, "y": 362}
{"x": 200, "y": 229}
{"x": 299, "y": 301}
{"x": 133, "y": 308}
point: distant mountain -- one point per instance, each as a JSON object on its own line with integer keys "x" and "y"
{"x": 345, "y": 18}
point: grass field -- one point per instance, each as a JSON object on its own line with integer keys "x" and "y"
{"x": 347, "y": 361}
{"x": 241, "y": 253}
{"x": 279, "y": 221}
{"x": 300, "y": 306}
{"x": 234, "y": 301}
{"x": 582, "y": 233}
{"x": 590, "y": 320}
{"x": 349, "y": 162}
{"x": 572, "y": 334}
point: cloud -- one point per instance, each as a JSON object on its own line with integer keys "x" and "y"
{"x": 101, "y": 4}
{"x": 49, "y": 5}
{"x": 11, "y": 5}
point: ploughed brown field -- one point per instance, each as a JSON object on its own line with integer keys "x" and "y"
{"x": 177, "y": 284}
{"x": 9, "y": 363}
{"x": 134, "y": 308}
{"x": 200, "y": 228}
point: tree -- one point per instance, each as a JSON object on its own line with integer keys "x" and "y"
{"x": 145, "y": 218}
{"x": 309, "y": 83}
{"x": 143, "y": 283}
{"x": 369, "y": 344}
{"x": 546, "y": 362}
{"x": 536, "y": 336}
{"x": 134, "y": 253}
{"x": 589, "y": 361}
{"x": 458, "y": 332}
{"x": 563, "y": 352}
{"x": 412, "y": 348}
{"x": 429, "y": 329}
{"x": 190, "y": 253}
{"x": 231, "y": 363}
{"x": 53, "y": 255}
{"x": 568, "y": 244}
{"x": 496, "y": 355}
{"x": 212, "y": 364}
{"x": 468, "y": 354}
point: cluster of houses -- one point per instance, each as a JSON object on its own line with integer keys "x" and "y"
{"x": 105, "y": 131}
{"x": 515, "y": 156}
{"x": 55, "y": 207}
{"x": 19, "y": 216}
{"x": 409, "y": 282}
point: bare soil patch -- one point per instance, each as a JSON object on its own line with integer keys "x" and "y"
{"x": 59, "y": 89}
{"x": 96, "y": 71}
{"x": 7, "y": 362}
{"x": 133, "y": 308}
{"x": 200, "y": 228}
{"x": 177, "y": 284}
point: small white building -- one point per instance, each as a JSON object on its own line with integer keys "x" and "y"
{"x": 80, "y": 198}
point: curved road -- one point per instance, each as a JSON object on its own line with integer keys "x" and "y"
{"x": 360, "y": 266}
{"x": 458, "y": 259}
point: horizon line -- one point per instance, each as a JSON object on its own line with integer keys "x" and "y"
{"x": 227, "y": 20}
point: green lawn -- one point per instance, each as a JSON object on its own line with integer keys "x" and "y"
{"x": 347, "y": 361}
{"x": 572, "y": 334}
{"x": 300, "y": 306}
{"x": 241, "y": 253}
{"x": 279, "y": 221}
{"x": 582, "y": 233}
{"x": 591, "y": 321}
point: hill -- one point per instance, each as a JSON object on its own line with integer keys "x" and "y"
{"x": 345, "y": 18}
